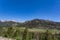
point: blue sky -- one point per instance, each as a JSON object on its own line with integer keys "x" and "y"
{"x": 22, "y": 10}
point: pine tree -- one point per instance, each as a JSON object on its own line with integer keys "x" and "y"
{"x": 25, "y": 33}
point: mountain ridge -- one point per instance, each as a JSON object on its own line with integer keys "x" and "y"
{"x": 35, "y": 23}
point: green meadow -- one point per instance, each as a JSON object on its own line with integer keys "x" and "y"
{"x": 25, "y": 33}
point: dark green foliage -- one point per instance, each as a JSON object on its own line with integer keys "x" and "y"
{"x": 25, "y": 34}
{"x": 30, "y": 35}
{"x": 9, "y": 32}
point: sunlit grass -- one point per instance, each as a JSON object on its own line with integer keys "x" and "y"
{"x": 40, "y": 30}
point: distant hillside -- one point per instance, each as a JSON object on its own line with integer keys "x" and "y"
{"x": 35, "y": 23}
{"x": 40, "y": 23}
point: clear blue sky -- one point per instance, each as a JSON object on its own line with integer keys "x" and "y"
{"x": 21, "y": 10}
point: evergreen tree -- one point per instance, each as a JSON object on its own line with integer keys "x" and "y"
{"x": 25, "y": 34}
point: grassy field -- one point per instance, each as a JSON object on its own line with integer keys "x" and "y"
{"x": 18, "y": 32}
{"x": 41, "y": 30}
